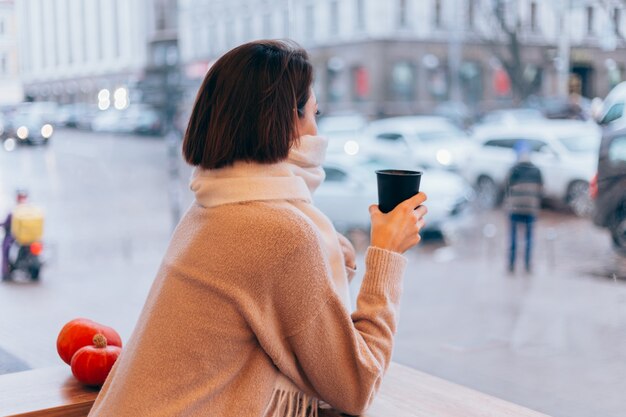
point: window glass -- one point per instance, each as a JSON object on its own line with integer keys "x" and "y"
{"x": 403, "y": 81}
{"x": 617, "y": 149}
{"x": 335, "y": 175}
{"x": 395, "y": 80}
{"x": 392, "y": 137}
{"x": 614, "y": 113}
{"x": 581, "y": 144}
{"x": 500, "y": 143}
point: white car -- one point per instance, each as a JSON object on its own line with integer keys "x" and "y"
{"x": 565, "y": 151}
{"x": 107, "y": 121}
{"x": 344, "y": 132}
{"x": 427, "y": 141}
{"x": 350, "y": 188}
{"x": 512, "y": 117}
{"x": 613, "y": 111}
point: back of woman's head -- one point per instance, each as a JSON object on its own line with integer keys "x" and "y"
{"x": 247, "y": 105}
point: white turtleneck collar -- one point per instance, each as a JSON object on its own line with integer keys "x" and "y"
{"x": 293, "y": 179}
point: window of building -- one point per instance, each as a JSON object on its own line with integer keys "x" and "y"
{"x": 42, "y": 22}
{"x": 116, "y": 29}
{"x": 617, "y": 17}
{"x": 590, "y": 26}
{"x": 403, "y": 81}
{"x": 26, "y": 58}
{"x": 286, "y": 23}
{"x": 69, "y": 35}
{"x": 437, "y": 14}
{"x": 438, "y": 82}
{"x": 55, "y": 33}
{"x": 402, "y": 12}
{"x": 471, "y": 14}
{"x": 360, "y": 14}
{"x": 360, "y": 83}
{"x": 267, "y": 25}
{"x": 309, "y": 25}
{"x": 2, "y": 26}
{"x": 99, "y": 28}
{"x": 471, "y": 77}
{"x": 4, "y": 65}
{"x": 229, "y": 33}
{"x": 247, "y": 28}
{"x": 533, "y": 16}
{"x": 161, "y": 21}
{"x": 213, "y": 46}
{"x": 334, "y": 17}
{"x": 83, "y": 30}
{"x": 335, "y": 82}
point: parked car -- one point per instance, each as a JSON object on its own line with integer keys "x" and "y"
{"x": 141, "y": 120}
{"x": 560, "y": 107}
{"x": 350, "y": 188}
{"x": 69, "y": 115}
{"x": 137, "y": 119}
{"x": 613, "y": 111}
{"x": 426, "y": 141}
{"x": 27, "y": 128}
{"x": 512, "y": 116}
{"x": 565, "y": 151}
{"x": 107, "y": 121}
{"x": 344, "y": 132}
{"x": 608, "y": 188}
{"x": 44, "y": 110}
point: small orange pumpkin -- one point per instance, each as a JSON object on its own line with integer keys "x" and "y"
{"x": 91, "y": 364}
{"x": 80, "y": 332}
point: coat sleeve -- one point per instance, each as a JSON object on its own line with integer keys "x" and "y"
{"x": 337, "y": 357}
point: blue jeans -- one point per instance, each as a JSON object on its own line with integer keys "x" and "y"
{"x": 527, "y": 220}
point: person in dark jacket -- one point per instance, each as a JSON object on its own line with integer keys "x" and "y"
{"x": 21, "y": 197}
{"x": 524, "y": 187}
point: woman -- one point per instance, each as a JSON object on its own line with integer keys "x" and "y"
{"x": 245, "y": 316}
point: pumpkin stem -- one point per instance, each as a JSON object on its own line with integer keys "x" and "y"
{"x": 100, "y": 341}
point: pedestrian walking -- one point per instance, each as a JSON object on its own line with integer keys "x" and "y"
{"x": 247, "y": 314}
{"x": 523, "y": 196}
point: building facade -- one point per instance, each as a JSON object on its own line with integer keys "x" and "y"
{"x": 409, "y": 56}
{"x": 72, "y": 49}
{"x": 10, "y": 85}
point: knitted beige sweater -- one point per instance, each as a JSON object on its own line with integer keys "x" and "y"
{"x": 244, "y": 290}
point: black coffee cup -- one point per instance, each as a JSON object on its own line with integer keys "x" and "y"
{"x": 395, "y": 186}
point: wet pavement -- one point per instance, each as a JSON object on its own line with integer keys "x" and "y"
{"x": 554, "y": 341}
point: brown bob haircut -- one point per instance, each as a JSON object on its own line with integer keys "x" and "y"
{"x": 246, "y": 107}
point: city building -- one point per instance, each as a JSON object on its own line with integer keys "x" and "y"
{"x": 10, "y": 85}
{"x": 84, "y": 51}
{"x": 411, "y": 56}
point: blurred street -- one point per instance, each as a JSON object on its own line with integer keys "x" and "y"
{"x": 553, "y": 341}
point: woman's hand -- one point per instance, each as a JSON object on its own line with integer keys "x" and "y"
{"x": 399, "y": 229}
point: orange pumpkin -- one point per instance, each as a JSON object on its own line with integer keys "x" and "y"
{"x": 91, "y": 364}
{"x": 80, "y": 332}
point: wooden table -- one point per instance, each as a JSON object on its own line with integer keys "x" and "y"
{"x": 405, "y": 392}
{"x": 51, "y": 392}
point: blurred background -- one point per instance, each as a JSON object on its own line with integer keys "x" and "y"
{"x": 95, "y": 96}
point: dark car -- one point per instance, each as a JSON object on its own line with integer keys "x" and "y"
{"x": 28, "y": 128}
{"x": 608, "y": 188}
